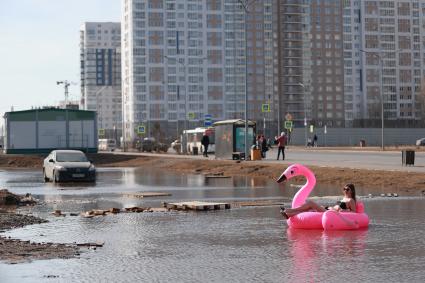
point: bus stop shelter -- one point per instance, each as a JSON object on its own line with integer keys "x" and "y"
{"x": 230, "y": 138}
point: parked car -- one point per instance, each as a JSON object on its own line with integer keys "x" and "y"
{"x": 68, "y": 165}
{"x": 150, "y": 144}
{"x": 420, "y": 142}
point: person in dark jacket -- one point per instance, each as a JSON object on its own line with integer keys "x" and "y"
{"x": 281, "y": 143}
{"x": 205, "y": 143}
{"x": 264, "y": 146}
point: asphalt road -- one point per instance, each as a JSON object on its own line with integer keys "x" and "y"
{"x": 358, "y": 159}
{"x": 378, "y": 160}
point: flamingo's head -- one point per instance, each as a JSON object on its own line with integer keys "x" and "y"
{"x": 292, "y": 171}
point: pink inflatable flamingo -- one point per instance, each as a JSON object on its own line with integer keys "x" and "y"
{"x": 329, "y": 220}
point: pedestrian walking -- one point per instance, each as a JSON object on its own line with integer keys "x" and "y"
{"x": 281, "y": 143}
{"x": 315, "y": 140}
{"x": 264, "y": 146}
{"x": 205, "y": 143}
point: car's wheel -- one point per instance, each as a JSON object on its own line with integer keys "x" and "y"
{"x": 44, "y": 176}
{"x": 56, "y": 178}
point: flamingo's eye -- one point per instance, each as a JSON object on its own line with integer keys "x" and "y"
{"x": 292, "y": 172}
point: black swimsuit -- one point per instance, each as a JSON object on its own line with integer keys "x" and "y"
{"x": 342, "y": 205}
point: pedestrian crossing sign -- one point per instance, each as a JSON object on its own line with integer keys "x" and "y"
{"x": 288, "y": 125}
{"x": 141, "y": 129}
{"x": 265, "y": 107}
{"x": 191, "y": 115}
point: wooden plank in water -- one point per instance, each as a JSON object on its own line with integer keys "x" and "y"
{"x": 147, "y": 194}
{"x": 197, "y": 205}
{"x": 217, "y": 176}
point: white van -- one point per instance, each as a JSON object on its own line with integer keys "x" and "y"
{"x": 107, "y": 144}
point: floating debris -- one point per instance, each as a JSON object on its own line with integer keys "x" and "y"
{"x": 91, "y": 245}
{"x": 147, "y": 194}
{"x": 114, "y": 210}
{"x": 389, "y": 195}
{"x": 58, "y": 213}
{"x": 135, "y": 209}
{"x": 217, "y": 176}
{"x": 197, "y": 205}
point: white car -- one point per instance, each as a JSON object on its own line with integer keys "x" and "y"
{"x": 420, "y": 142}
{"x": 68, "y": 165}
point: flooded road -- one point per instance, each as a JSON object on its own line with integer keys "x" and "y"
{"x": 238, "y": 245}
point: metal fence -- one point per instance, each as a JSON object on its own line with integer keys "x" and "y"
{"x": 353, "y": 136}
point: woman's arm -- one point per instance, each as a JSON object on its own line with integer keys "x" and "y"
{"x": 352, "y": 206}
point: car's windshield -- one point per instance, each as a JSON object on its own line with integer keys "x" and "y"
{"x": 70, "y": 157}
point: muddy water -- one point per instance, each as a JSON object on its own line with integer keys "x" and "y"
{"x": 238, "y": 245}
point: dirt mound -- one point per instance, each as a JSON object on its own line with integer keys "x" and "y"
{"x": 7, "y": 198}
{"x": 21, "y": 161}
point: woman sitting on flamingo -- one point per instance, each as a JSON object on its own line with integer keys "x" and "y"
{"x": 305, "y": 214}
{"x": 347, "y": 204}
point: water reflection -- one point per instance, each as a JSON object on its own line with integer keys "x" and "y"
{"x": 311, "y": 249}
{"x": 252, "y": 244}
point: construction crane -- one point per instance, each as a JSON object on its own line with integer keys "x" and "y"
{"x": 66, "y": 85}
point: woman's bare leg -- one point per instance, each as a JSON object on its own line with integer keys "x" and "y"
{"x": 308, "y": 205}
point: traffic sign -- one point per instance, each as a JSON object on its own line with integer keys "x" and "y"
{"x": 265, "y": 107}
{"x": 141, "y": 129}
{"x": 311, "y": 128}
{"x": 191, "y": 115}
{"x": 288, "y": 116}
{"x": 288, "y": 125}
{"x": 101, "y": 132}
{"x": 208, "y": 120}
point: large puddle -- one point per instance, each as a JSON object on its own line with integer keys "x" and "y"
{"x": 243, "y": 244}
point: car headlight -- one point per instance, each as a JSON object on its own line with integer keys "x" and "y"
{"x": 60, "y": 168}
{"x": 92, "y": 168}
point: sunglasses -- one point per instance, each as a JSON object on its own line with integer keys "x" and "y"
{"x": 346, "y": 189}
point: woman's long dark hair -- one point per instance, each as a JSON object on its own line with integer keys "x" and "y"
{"x": 353, "y": 191}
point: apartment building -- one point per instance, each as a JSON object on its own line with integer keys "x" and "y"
{"x": 100, "y": 58}
{"x": 311, "y": 78}
{"x": 262, "y": 68}
{"x": 383, "y": 59}
{"x": 185, "y": 59}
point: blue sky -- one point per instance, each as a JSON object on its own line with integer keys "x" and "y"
{"x": 39, "y": 45}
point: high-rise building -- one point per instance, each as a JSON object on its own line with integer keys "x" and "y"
{"x": 185, "y": 59}
{"x": 384, "y": 59}
{"x": 310, "y": 62}
{"x": 100, "y": 56}
{"x": 262, "y": 84}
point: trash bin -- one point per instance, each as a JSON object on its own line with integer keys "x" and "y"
{"x": 195, "y": 150}
{"x": 362, "y": 143}
{"x": 408, "y": 157}
{"x": 255, "y": 154}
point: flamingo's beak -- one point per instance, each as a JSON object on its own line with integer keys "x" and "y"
{"x": 281, "y": 178}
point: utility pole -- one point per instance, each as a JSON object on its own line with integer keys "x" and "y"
{"x": 305, "y": 110}
{"x": 245, "y": 6}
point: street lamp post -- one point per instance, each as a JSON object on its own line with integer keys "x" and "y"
{"x": 185, "y": 88}
{"x": 245, "y": 6}
{"x": 381, "y": 86}
{"x": 305, "y": 110}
